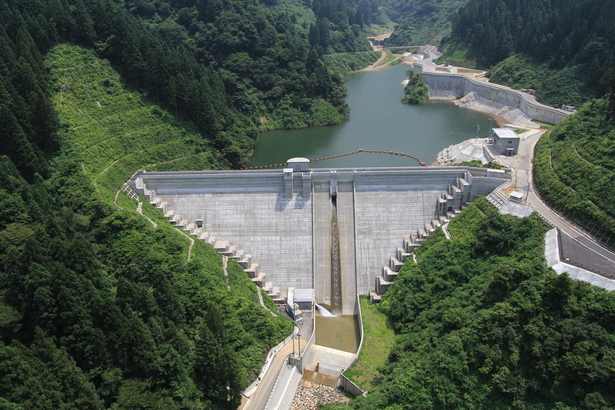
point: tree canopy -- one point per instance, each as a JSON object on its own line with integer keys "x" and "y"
{"x": 482, "y": 323}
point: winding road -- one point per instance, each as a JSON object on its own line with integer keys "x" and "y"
{"x": 588, "y": 246}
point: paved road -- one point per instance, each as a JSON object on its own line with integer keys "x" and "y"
{"x": 258, "y": 400}
{"x": 522, "y": 165}
{"x": 522, "y": 169}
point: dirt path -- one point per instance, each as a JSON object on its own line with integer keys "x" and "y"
{"x": 377, "y": 65}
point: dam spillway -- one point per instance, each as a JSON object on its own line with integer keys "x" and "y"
{"x": 278, "y": 223}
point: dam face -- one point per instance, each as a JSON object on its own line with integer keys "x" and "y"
{"x": 278, "y": 223}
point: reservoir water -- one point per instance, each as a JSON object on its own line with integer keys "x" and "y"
{"x": 377, "y": 121}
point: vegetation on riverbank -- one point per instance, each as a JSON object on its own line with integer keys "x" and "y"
{"x": 344, "y": 63}
{"x": 378, "y": 338}
{"x": 269, "y": 55}
{"x": 553, "y": 87}
{"x": 574, "y": 170}
{"x": 481, "y": 322}
{"x": 415, "y": 92}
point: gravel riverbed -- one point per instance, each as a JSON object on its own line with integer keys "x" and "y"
{"x": 309, "y": 395}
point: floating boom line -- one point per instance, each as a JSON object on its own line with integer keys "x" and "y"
{"x": 371, "y": 151}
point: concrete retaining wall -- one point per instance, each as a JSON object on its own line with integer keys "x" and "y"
{"x": 552, "y": 254}
{"x": 349, "y": 386}
{"x": 457, "y": 86}
{"x": 345, "y": 383}
{"x": 302, "y": 361}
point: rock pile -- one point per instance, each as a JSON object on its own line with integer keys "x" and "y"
{"x": 309, "y": 395}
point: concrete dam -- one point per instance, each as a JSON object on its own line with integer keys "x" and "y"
{"x": 337, "y": 232}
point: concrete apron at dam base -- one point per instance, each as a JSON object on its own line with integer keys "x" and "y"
{"x": 279, "y": 226}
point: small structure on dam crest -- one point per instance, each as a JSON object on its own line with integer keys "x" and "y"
{"x": 278, "y": 223}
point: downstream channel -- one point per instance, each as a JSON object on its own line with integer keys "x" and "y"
{"x": 377, "y": 121}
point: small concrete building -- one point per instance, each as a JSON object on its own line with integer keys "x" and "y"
{"x": 505, "y": 141}
{"x": 299, "y": 301}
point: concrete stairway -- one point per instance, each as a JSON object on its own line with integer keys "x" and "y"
{"x": 497, "y": 198}
{"x": 448, "y": 205}
{"x": 224, "y": 248}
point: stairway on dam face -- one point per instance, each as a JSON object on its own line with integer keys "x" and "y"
{"x": 448, "y": 204}
{"x": 285, "y": 220}
{"x": 282, "y": 219}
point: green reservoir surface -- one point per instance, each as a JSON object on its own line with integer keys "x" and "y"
{"x": 377, "y": 121}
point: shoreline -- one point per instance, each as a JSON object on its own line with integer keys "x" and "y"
{"x": 499, "y": 120}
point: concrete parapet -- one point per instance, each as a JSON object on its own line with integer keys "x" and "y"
{"x": 238, "y": 255}
{"x": 245, "y": 261}
{"x": 260, "y": 280}
{"x": 288, "y": 183}
{"x": 382, "y": 285}
{"x": 306, "y": 182}
{"x": 349, "y": 386}
{"x": 221, "y": 246}
{"x": 552, "y": 254}
{"x": 253, "y": 270}
{"x": 410, "y": 244}
{"x": 402, "y": 255}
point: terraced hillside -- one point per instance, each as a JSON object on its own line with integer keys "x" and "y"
{"x": 575, "y": 170}
{"x": 116, "y": 131}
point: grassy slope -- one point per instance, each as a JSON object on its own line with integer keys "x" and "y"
{"x": 422, "y": 23}
{"x": 113, "y": 130}
{"x": 377, "y": 343}
{"x": 298, "y": 10}
{"x": 574, "y": 171}
{"x": 562, "y": 86}
{"x": 344, "y": 63}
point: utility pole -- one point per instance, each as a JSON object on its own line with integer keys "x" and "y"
{"x": 477, "y": 131}
{"x": 490, "y": 127}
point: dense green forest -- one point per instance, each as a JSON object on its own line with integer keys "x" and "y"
{"x": 482, "y": 323}
{"x": 415, "y": 92}
{"x": 420, "y": 21}
{"x": 98, "y": 308}
{"x": 561, "y": 49}
{"x": 271, "y": 66}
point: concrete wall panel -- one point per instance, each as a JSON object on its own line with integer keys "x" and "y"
{"x": 290, "y": 237}
{"x": 455, "y": 85}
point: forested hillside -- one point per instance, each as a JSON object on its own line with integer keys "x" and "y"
{"x": 271, "y": 66}
{"x": 561, "y": 49}
{"x": 420, "y": 21}
{"x": 99, "y": 308}
{"x": 575, "y": 169}
{"x": 482, "y": 323}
